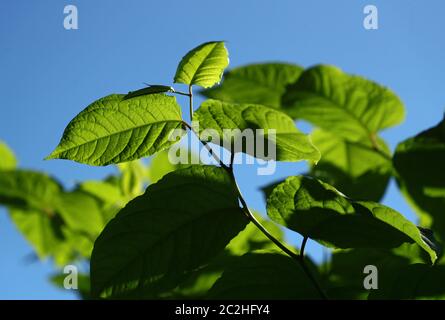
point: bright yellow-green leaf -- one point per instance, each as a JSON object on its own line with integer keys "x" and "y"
{"x": 204, "y": 65}
{"x": 114, "y": 130}
{"x": 244, "y": 120}
{"x": 262, "y": 83}
{"x": 7, "y": 157}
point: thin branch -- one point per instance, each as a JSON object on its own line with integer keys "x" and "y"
{"x": 181, "y": 93}
{"x": 232, "y": 159}
{"x": 206, "y": 145}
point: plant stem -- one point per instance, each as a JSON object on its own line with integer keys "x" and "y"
{"x": 182, "y": 93}
{"x": 206, "y": 145}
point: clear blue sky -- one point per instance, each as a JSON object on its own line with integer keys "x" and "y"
{"x": 49, "y": 74}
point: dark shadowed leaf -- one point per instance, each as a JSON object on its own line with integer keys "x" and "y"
{"x": 152, "y": 242}
{"x": 263, "y": 275}
{"x": 318, "y": 211}
{"x": 420, "y": 166}
{"x": 417, "y": 281}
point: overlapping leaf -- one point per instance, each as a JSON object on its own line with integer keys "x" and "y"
{"x": 354, "y": 168}
{"x": 263, "y": 275}
{"x": 349, "y": 106}
{"x": 318, "y": 211}
{"x": 152, "y": 242}
{"x": 114, "y": 130}
{"x": 204, "y": 65}
{"x": 235, "y": 126}
{"x": 262, "y": 83}
{"x": 198, "y": 283}
{"x": 29, "y": 190}
{"x": 417, "y": 281}
{"x": 420, "y": 166}
{"x": 345, "y": 270}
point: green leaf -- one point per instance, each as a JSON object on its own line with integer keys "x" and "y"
{"x": 81, "y": 212}
{"x": 345, "y": 270}
{"x": 204, "y": 65}
{"x": 263, "y": 275}
{"x": 7, "y": 157}
{"x": 251, "y": 238}
{"x": 57, "y": 224}
{"x": 161, "y": 164}
{"x": 417, "y": 281}
{"x": 113, "y": 130}
{"x": 151, "y": 89}
{"x": 244, "y": 119}
{"x": 104, "y": 191}
{"x": 152, "y": 242}
{"x": 108, "y": 194}
{"x": 354, "y": 168}
{"x": 200, "y": 281}
{"x": 83, "y": 283}
{"x": 262, "y": 83}
{"x": 318, "y": 211}
{"x": 419, "y": 162}
{"x": 43, "y": 232}
{"x": 29, "y": 190}
{"x": 134, "y": 176}
{"x": 349, "y": 106}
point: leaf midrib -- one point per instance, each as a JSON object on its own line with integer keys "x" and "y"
{"x": 54, "y": 154}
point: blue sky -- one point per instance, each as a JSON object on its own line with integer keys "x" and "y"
{"x": 49, "y": 74}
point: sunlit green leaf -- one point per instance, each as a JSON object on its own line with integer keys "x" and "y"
{"x": 81, "y": 212}
{"x": 347, "y": 105}
{"x": 29, "y": 190}
{"x": 204, "y": 65}
{"x": 83, "y": 284}
{"x": 354, "y": 168}
{"x": 113, "y": 130}
{"x": 236, "y": 124}
{"x": 7, "y": 157}
{"x": 134, "y": 176}
{"x": 262, "y": 83}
